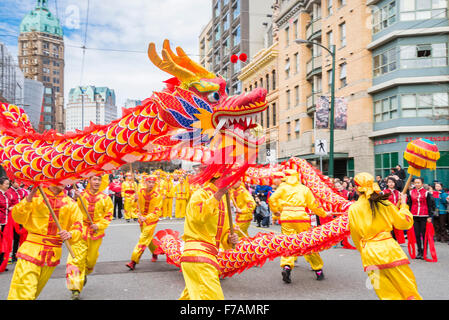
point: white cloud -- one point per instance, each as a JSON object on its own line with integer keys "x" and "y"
{"x": 128, "y": 25}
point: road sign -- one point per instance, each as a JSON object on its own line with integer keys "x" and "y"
{"x": 321, "y": 147}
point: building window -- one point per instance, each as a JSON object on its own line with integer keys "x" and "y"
{"x": 45, "y": 45}
{"x": 297, "y": 129}
{"x": 329, "y": 80}
{"x": 288, "y": 99}
{"x": 267, "y": 82}
{"x": 295, "y": 29}
{"x": 296, "y": 62}
{"x": 226, "y": 46}
{"x": 217, "y": 9}
{"x": 386, "y": 109}
{"x": 384, "y": 16}
{"x": 423, "y": 9}
{"x": 425, "y": 105}
{"x": 289, "y": 131}
{"x": 274, "y": 114}
{"x": 329, "y": 7}
{"x": 343, "y": 82}
{"x": 287, "y": 68}
{"x": 47, "y": 109}
{"x": 385, "y": 62}
{"x": 268, "y": 116}
{"x": 236, "y": 9}
{"x": 225, "y": 23}
{"x": 297, "y": 96}
{"x": 273, "y": 79}
{"x": 383, "y": 162}
{"x": 46, "y": 61}
{"x": 342, "y": 34}
{"x": 423, "y": 56}
{"x": 217, "y": 33}
{"x": 237, "y": 88}
{"x": 287, "y": 40}
{"x": 217, "y": 58}
{"x": 342, "y": 3}
{"x": 236, "y": 36}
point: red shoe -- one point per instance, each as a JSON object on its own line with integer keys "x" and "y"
{"x": 154, "y": 258}
{"x": 131, "y": 265}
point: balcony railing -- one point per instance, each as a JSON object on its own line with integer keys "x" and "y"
{"x": 314, "y": 29}
{"x": 313, "y": 66}
{"x": 311, "y": 101}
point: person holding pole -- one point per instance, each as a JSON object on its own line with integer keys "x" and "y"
{"x": 206, "y": 229}
{"x": 289, "y": 202}
{"x": 97, "y": 210}
{"x": 150, "y": 204}
{"x": 49, "y": 218}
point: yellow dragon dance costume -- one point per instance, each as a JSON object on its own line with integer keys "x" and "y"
{"x": 40, "y": 253}
{"x": 182, "y": 194}
{"x": 245, "y": 202}
{"x": 382, "y": 257}
{"x": 129, "y": 187}
{"x": 291, "y": 199}
{"x": 150, "y": 204}
{"x": 205, "y": 230}
{"x": 99, "y": 207}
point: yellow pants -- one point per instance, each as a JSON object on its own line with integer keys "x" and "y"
{"x": 86, "y": 255}
{"x": 396, "y": 283}
{"x": 28, "y": 280}
{"x": 313, "y": 259}
{"x": 130, "y": 207}
{"x": 145, "y": 240}
{"x": 180, "y": 208}
{"x": 167, "y": 208}
{"x": 202, "y": 282}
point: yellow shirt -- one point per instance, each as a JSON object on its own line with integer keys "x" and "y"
{"x": 372, "y": 235}
{"x": 43, "y": 244}
{"x": 182, "y": 191}
{"x": 100, "y": 209}
{"x": 171, "y": 189}
{"x": 245, "y": 202}
{"x": 150, "y": 204}
{"x": 291, "y": 199}
{"x": 206, "y": 227}
{"x": 128, "y": 189}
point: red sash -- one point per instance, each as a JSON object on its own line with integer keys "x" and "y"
{"x": 428, "y": 240}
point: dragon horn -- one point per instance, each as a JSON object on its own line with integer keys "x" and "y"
{"x": 168, "y": 65}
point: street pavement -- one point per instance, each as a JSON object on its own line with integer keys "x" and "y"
{"x": 344, "y": 276}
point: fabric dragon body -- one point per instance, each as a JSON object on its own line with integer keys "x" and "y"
{"x": 193, "y": 110}
{"x": 256, "y": 250}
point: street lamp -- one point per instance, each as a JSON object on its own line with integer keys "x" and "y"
{"x": 331, "y": 127}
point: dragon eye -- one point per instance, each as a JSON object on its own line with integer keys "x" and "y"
{"x": 214, "y": 97}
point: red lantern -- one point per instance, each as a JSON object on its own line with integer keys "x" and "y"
{"x": 234, "y": 58}
{"x": 243, "y": 57}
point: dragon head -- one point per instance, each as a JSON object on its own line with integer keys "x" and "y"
{"x": 197, "y": 102}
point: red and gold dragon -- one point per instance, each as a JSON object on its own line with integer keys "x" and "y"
{"x": 193, "y": 118}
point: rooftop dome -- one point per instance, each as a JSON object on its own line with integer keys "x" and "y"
{"x": 41, "y": 20}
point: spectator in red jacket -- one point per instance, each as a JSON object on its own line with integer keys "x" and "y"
{"x": 341, "y": 190}
{"x": 16, "y": 194}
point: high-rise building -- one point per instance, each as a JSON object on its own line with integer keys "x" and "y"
{"x": 410, "y": 85}
{"x": 90, "y": 104}
{"x": 33, "y": 100}
{"x": 236, "y": 27}
{"x": 41, "y": 57}
{"x": 11, "y": 78}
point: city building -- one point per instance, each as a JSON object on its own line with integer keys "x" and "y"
{"x": 262, "y": 71}
{"x": 305, "y": 74}
{"x": 33, "y": 100}
{"x": 236, "y": 27}
{"x": 11, "y": 78}
{"x": 41, "y": 58}
{"x": 132, "y": 103}
{"x": 90, "y": 104}
{"x": 410, "y": 83}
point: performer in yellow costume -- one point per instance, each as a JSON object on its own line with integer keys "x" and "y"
{"x": 371, "y": 220}
{"x": 167, "y": 205}
{"x": 150, "y": 204}
{"x": 40, "y": 253}
{"x": 100, "y": 208}
{"x": 245, "y": 206}
{"x": 182, "y": 195}
{"x": 289, "y": 202}
{"x": 206, "y": 229}
{"x": 129, "y": 187}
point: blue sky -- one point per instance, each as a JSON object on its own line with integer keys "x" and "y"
{"x": 119, "y": 25}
